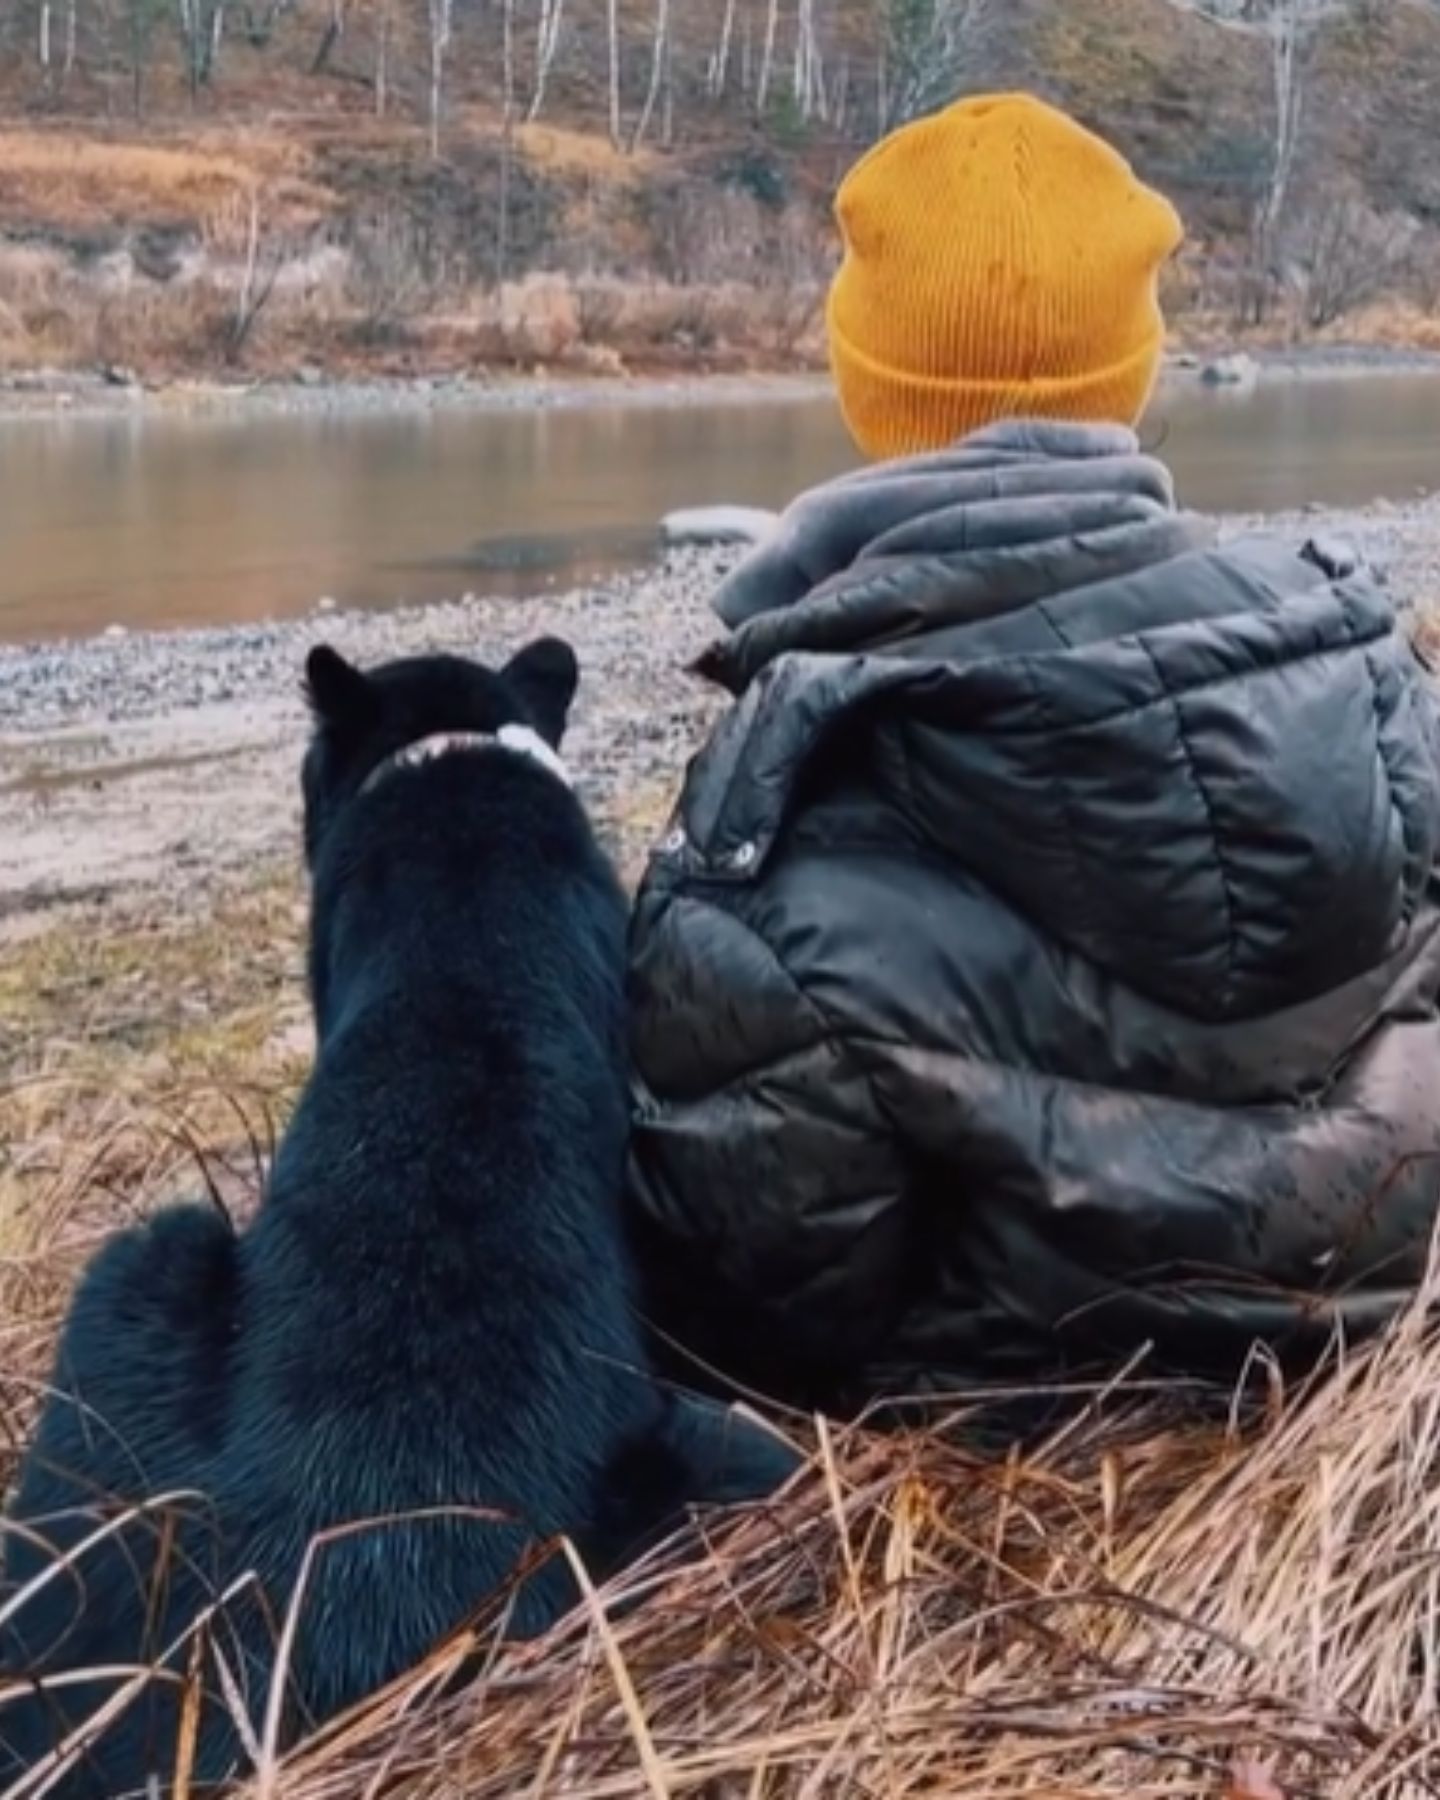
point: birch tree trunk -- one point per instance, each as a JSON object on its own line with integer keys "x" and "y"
{"x": 1287, "y": 26}
{"x": 803, "y": 85}
{"x": 334, "y": 31}
{"x": 612, "y": 46}
{"x": 767, "y": 56}
{"x": 718, "y": 73}
{"x": 214, "y": 39}
{"x": 441, "y": 15}
{"x": 547, "y": 39}
{"x": 382, "y": 59}
{"x": 658, "y": 55}
{"x": 507, "y": 142}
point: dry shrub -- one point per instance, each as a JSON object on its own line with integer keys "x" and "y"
{"x": 781, "y": 322}
{"x": 17, "y": 347}
{"x": 35, "y": 327}
{"x": 540, "y": 318}
{"x": 1345, "y": 255}
{"x": 1396, "y": 324}
{"x": 595, "y": 323}
{"x": 391, "y": 273}
{"x": 603, "y": 303}
{"x": 57, "y": 312}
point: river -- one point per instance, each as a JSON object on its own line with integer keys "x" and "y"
{"x": 151, "y": 519}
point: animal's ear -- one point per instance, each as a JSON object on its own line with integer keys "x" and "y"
{"x": 545, "y": 676}
{"x": 340, "y": 695}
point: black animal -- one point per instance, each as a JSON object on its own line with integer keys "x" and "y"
{"x": 426, "y": 1334}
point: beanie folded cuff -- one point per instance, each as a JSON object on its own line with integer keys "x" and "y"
{"x": 894, "y": 412}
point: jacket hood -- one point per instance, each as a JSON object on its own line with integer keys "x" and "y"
{"x": 1210, "y": 771}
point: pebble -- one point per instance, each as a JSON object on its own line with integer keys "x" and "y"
{"x": 627, "y": 630}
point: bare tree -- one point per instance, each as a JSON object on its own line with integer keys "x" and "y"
{"x": 258, "y": 19}
{"x": 547, "y": 41}
{"x": 393, "y": 270}
{"x": 717, "y": 71}
{"x": 330, "y": 37}
{"x": 140, "y": 17}
{"x": 612, "y": 48}
{"x": 1343, "y": 254}
{"x": 840, "y": 96}
{"x": 441, "y": 16}
{"x": 382, "y": 57}
{"x": 659, "y": 61}
{"x": 1287, "y": 28}
{"x": 263, "y": 264}
{"x": 925, "y": 47}
{"x": 507, "y": 141}
{"x": 767, "y": 55}
{"x": 808, "y": 78}
{"x": 202, "y": 31}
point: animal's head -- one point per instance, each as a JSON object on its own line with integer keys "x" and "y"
{"x": 362, "y": 717}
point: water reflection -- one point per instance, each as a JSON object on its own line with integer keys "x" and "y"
{"x": 149, "y": 519}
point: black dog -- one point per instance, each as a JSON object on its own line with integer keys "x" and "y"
{"x": 427, "y": 1333}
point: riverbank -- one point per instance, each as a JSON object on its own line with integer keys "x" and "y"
{"x": 48, "y": 393}
{"x": 115, "y": 392}
{"x": 153, "y": 768}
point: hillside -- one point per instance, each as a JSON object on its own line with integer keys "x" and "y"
{"x": 438, "y": 184}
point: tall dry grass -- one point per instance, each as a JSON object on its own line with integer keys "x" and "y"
{"x": 71, "y": 181}
{"x": 1159, "y": 1599}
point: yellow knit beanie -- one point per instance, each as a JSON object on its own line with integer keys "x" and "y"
{"x": 1000, "y": 262}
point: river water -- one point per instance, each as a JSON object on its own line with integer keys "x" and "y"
{"x": 151, "y": 519}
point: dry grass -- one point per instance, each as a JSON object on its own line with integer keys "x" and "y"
{"x": 1138, "y": 1607}
{"x": 1135, "y": 1608}
{"x": 1157, "y": 1600}
{"x": 577, "y": 152}
{"x": 384, "y": 315}
{"x": 123, "y": 1047}
{"x": 1394, "y": 324}
{"x": 73, "y": 182}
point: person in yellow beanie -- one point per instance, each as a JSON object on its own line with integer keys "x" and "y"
{"x": 1000, "y": 262}
{"x": 1043, "y": 959}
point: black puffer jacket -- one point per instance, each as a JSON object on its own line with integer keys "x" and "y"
{"x": 1044, "y": 959}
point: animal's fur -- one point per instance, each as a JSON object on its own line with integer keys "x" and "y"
{"x": 431, "y": 1310}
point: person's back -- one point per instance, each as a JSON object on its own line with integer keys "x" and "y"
{"x": 1043, "y": 961}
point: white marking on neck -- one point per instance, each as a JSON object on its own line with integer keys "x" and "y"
{"x": 519, "y": 740}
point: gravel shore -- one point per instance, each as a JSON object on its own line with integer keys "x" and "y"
{"x": 161, "y": 763}
{"x": 41, "y": 393}
{"x": 145, "y": 767}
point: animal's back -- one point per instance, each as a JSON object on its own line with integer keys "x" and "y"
{"x": 473, "y": 1347}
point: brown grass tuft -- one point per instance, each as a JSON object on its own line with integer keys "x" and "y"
{"x": 1139, "y": 1607}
